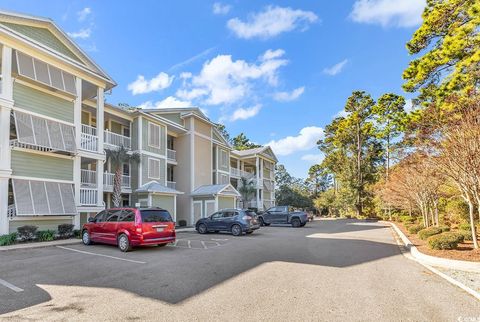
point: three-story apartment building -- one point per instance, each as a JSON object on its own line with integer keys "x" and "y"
{"x": 55, "y": 129}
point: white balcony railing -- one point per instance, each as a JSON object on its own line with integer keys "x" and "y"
{"x": 88, "y": 177}
{"x": 108, "y": 181}
{"x": 89, "y": 138}
{"x": 16, "y": 144}
{"x": 171, "y": 184}
{"x": 171, "y": 155}
{"x": 234, "y": 172}
{"x": 88, "y": 196}
{"x": 114, "y": 139}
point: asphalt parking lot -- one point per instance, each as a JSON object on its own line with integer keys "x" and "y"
{"x": 331, "y": 269}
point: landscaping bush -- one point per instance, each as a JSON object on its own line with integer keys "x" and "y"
{"x": 27, "y": 232}
{"x": 444, "y": 228}
{"x": 467, "y": 234}
{"x": 65, "y": 230}
{"x": 77, "y": 233}
{"x": 46, "y": 235}
{"x": 413, "y": 229}
{"x": 464, "y": 226}
{"x": 407, "y": 219}
{"x": 9, "y": 239}
{"x": 427, "y": 232}
{"x": 446, "y": 240}
{"x": 182, "y": 223}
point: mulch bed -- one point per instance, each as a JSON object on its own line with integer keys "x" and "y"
{"x": 464, "y": 252}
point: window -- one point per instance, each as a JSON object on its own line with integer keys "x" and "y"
{"x": 217, "y": 215}
{"x": 113, "y": 216}
{"x": 223, "y": 179}
{"x": 127, "y": 216}
{"x": 153, "y": 168}
{"x": 100, "y": 217}
{"x": 223, "y": 158}
{"x": 155, "y": 216}
{"x": 228, "y": 214}
{"x": 126, "y": 169}
{"x": 154, "y": 135}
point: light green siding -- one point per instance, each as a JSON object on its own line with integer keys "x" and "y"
{"x": 163, "y": 169}
{"x": 226, "y": 202}
{"x": 163, "y": 135}
{"x": 41, "y": 166}
{"x": 43, "y": 36}
{"x": 134, "y": 134}
{"x": 116, "y": 128}
{"x": 50, "y": 224}
{"x": 174, "y": 117}
{"x": 165, "y": 202}
{"x": 42, "y": 103}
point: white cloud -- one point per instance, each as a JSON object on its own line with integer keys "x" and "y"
{"x": 270, "y": 22}
{"x": 404, "y": 13}
{"x": 245, "y": 113}
{"x": 169, "y": 102}
{"x": 313, "y": 158}
{"x": 226, "y": 81}
{"x": 142, "y": 85}
{"x": 341, "y": 113}
{"x": 221, "y": 9}
{"x": 83, "y": 33}
{"x": 289, "y": 96}
{"x": 84, "y": 13}
{"x": 305, "y": 140}
{"x": 335, "y": 69}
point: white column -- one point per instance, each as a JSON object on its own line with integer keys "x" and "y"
{"x": 100, "y": 118}
{"x": 77, "y": 161}
{"x": 257, "y": 170}
{"x": 100, "y": 183}
{"x": 6, "y": 104}
{"x": 77, "y": 121}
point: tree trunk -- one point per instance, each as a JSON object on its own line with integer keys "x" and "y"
{"x": 117, "y": 188}
{"x": 359, "y": 173}
{"x": 472, "y": 224}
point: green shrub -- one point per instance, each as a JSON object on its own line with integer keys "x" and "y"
{"x": 407, "y": 219}
{"x": 444, "y": 228}
{"x": 427, "y": 232}
{"x": 413, "y": 229}
{"x": 446, "y": 240}
{"x": 464, "y": 226}
{"x": 467, "y": 234}
{"x": 46, "y": 235}
{"x": 77, "y": 233}
{"x": 65, "y": 230}
{"x": 27, "y": 232}
{"x": 9, "y": 239}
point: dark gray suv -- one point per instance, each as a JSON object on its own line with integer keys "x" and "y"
{"x": 283, "y": 215}
{"x": 236, "y": 221}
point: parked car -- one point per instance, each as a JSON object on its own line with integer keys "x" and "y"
{"x": 310, "y": 216}
{"x": 283, "y": 215}
{"x": 236, "y": 221}
{"x": 128, "y": 227}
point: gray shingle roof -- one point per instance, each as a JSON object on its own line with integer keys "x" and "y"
{"x": 216, "y": 189}
{"x": 154, "y": 186}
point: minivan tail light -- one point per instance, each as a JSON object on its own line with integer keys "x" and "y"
{"x": 139, "y": 229}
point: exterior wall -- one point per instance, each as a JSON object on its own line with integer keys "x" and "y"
{"x": 35, "y": 165}
{"x": 225, "y": 166}
{"x": 203, "y": 161}
{"x": 44, "y": 224}
{"x": 182, "y": 177}
{"x": 203, "y": 128}
{"x": 174, "y": 117}
{"x": 134, "y": 134}
{"x": 204, "y": 204}
{"x": 226, "y": 202}
{"x": 165, "y": 202}
{"x": 145, "y": 170}
{"x": 163, "y": 138}
{"x": 40, "y": 102}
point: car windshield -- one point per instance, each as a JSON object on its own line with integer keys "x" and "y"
{"x": 155, "y": 216}
{"x": 251, "y": 213}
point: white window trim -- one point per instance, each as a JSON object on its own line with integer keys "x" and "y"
{"x": 149, "y": 168}
{"x": 150, "y": 135}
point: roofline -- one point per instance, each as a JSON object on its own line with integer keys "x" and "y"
{"x": 162, "y": 119}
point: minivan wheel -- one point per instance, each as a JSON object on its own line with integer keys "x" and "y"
{"x": 296, "y": 222}
{"x": 236, "y": 230}
{"x": 123, "y": 243}
{"x": 202, "y": 229}
{"x": 86, "y": 238}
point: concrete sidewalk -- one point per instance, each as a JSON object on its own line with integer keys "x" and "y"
{"x": 59, "y": 242}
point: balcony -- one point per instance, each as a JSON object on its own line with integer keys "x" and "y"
{"x": 89, "y": 138}
{"x": 115, "y": 140}
{"x": 237, "y": 173}
{"x": 88, "y": 178}
{"x": 88, "y": 197}
{"x": 171, "y": 155}
{"x": 108, "y": 181}
{"x": 171, "y": 184}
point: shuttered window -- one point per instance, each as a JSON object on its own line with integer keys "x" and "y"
{"x": 223, "y": 179}
{"x": 154, "y": 135}
{"x": 223, "y": 158}
{"x": 44, "y": 73}
{"x": 153, "y": 168}
{"x": 34, "y": 198}
{"x": 38, "y": 131}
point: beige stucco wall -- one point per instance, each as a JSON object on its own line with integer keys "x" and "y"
{"x": 203, "y": 128}
{"x": 203, "y": 162}
{"x": 226, "y": 202}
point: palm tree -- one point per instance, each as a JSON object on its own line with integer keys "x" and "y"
{"x": 247, "y": 190}
{"x": 117, "y": 158}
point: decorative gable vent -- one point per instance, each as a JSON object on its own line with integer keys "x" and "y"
{"x": 44, "y": 73}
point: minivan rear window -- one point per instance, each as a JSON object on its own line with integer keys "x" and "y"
{"x": 155, "y": 216}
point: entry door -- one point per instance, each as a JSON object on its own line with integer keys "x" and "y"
{"x": 209, "y": 207}
{"x": 197, "y": 211}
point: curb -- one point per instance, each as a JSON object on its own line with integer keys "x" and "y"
{"x": 41, "y": 244}
{"x": 185, "y": 230}
{"x": 433, "y": 260}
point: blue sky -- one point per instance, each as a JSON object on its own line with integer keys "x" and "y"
{"x": 277, "y": 71}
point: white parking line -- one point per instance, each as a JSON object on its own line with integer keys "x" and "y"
{"x": 204, "y": 246}
{"x": 189, "y": 244}
{"x": 10, "y": 286}
{"x": 95, "y": 254}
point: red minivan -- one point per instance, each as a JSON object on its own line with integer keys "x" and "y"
{"x": 128, "y": 227}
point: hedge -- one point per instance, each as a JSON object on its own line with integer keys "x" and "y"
{"x": 445, "y": 240}
{"x": 46, "y": 235}
{"x": 415, "y": 228}
{"x": 427, "y": 232}
{"x": 8, "y": 239}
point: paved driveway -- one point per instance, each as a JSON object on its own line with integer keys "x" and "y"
{"x": 327, "y": 271}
